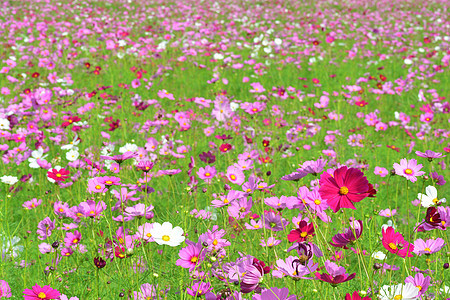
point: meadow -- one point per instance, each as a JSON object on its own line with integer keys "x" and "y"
{"x": 224, "y": 149}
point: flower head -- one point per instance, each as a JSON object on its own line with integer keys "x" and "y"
{"x": 166, "y": 234}
{"x": 41, "y": 293}
{"x": 396, "y": 244}
{"x": 408, "y": 169}
{"x": 345, "y": 187}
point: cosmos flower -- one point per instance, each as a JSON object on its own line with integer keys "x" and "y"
{"x": 429, "y": 246}
{"x": 430, "y": 198}
{"x": 166, "y": 234}
{"x": 341, "y": 240}
{"x": 396, "y": 244}
{"x": 41, "y": 293}
{"x": 345, "y": 187}
{"x": 400, "y": 291}
{"x": 408, "y": 169}
{"x": 336, "y": 274}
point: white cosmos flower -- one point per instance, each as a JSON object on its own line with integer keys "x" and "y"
{"x": 72, "y": 145}
{"x": 165, "y": 234}
{"x": 408, "y": 61}
{"x": 234, "y": 106}
{"x": 430, "y": 198}
{"x": 35, "y": 155}
{"x": 72, "y": 155}
{"x": 128, "y": 147}
{"x": 218, "y": 56}
{"x": 9, "y": 179}
{"x": 4, "y": 123}
{"x": 278, "y": 41}
{"x": 379, "y": 255}
{"x": 400, "y": 291}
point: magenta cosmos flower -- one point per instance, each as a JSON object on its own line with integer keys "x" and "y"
{"x": 41, "y": 293}
{"x": 58, "y": 175}
{"x": 395, "y": 243}
{"x": 408, "y": 169}
{"x": 5, "y": 290}
{"x": 336, "y": 274}
{"x": 346, "y": 186}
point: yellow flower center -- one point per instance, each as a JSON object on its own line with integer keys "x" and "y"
{"x": 409, "y": 172}
{"x": 317, "y": 202}
{"x": 207, "y": 174}
{"x": 108, "y": 182}
{"x": 149, "y": 235}
{"x": 435, "y": 200}
{"x": 215, "y": 242}
{"x": 419, "y": 287}
{"x": 194, "y": 259}
{"x": 58, "y": 175}
{"x": 233, "y": 177}
{"x": 398, "y": 297}
{"x": 98, "y": 187}
{"x": 256, "y": 226}
{"x": 166, "y": 238}
{"x": 393, "y": 247}
{"x": 303, "y": 234}
{"x": 75, "y": 241}
{"x": 343, "y": 190}
{"x": 427, "y": 249}
{"x": 225, "y": 200}
{"x": 41, "y": 295}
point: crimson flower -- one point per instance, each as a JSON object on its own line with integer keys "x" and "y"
{"x": 302, "y": 233}
{"x": 58, "y": 175}
{"x": 337, "y": 274}
{"x": 395, "y": 243}
{"x": 225, "y": 147}
{"x": 70, "y": 121}
{"x": 346, "y": 186}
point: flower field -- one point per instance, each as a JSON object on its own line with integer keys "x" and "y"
{"x": 279, "y": 150}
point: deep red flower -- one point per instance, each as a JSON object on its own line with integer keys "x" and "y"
{"x": 35, "y": 75}
{"x": 225, "y": 147}
{"x": 396, "y": 244}
{"x": 114, "y": 125}
{"x": 70, "y": 121}
{"x": 361, "y": 103}
{"x": 346, "y": 186}
{"x": 266, "y": 143}
{"x": 87, "y": 65}
{"x": 302, "y": 233}
{"x": 58, "y": 175}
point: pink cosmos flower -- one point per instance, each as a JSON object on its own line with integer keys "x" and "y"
{"x": 408, "y": 169}
{"x": 41, "y": 293}
{"x": 346, "y": 186}
{"x": 381, "y": 171}
{"x": 207, "y": 173}
{"x": 396, "y": 244}
{"x": 235, "y": 175}
{"x": 5, "y": 290}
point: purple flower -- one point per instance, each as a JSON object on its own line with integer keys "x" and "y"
{"x": 109, "y": 180}
{"x": 430, "y": 154}
{"x": 295, "y": 268}
{"x": 140, "y": 210}
{"x": 147, "y": 291}
{"x": 199, "y": 288}
{"x": 341, "y": 240}
{"x": 274, "y": 221}
{"x": 45, "y": 228}
{"x": 428, "y": 247}
{"x": 271, "y": 242}
{"x": 336, "y": 274}
{"x": 120, "y": 158}
{"x": 313, "y": 166}
{"x": 207, "y": 173}
{"x": 207, "y": 157}
{"x": 253, "y": 276}
{"x": 274, "y": 293}
{"x": 438, "y": 178}
{"x": 420, "y": 282}
{"x": 72, "y": 238}
{"x": 295, "y": 176}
